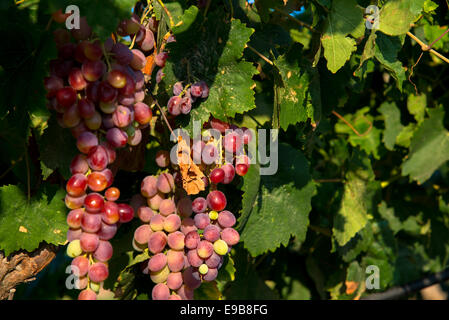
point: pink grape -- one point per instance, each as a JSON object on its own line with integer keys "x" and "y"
{"x": 157, "y": 262}
{"x": 174, "y": 280}
{"x": 86, "y": 141}
{"x": 187, "y": 225}
{"x": 122, "y": 53}
{"x": 185, "y": 292}
{"x": 202, "y": 220}
{"x": 229, "y": 172}
{"x": 157, "y": 222}
{"x": 192, "y": 239}
{"x": 73, "y": 234}
{"x": 194, "y": 259}
{"x": 216, "y": 200}
{"x": 126, "y": 212}
{"x": 91, "y": 222}
{"x": 87, "y": 294}
{"x": 163, "y": 158}
{"x": 174, "y": 105}
{"x": 104, "y": 251}
{"x": 157, "y": 242}
{"x": 79, "y": 164}
{"x": 139, "y": 60}
{"x": 172, "y": 223}
{"x": 98, "y": 158}
{"x": 74, "y": 202}
{"x": 80, "y": 266}
{"x": 142, "y": 234}
{"x": 160, "y": 292}
{"x": 148, "y": 187}
{"x": 175, "y": 260}
{"x": 214, "y": 260}
{"x": 110, "y": 213}
{"x": 155, "y": 201}
{"x": 165, "y": 183}
{"x": 204, "y": 249}
{"x": 167, "y": 207}
{"x": 199, "y": 205}
{"x": 230, "y": 236}
{"x": 211, "y": 233}
{"x": 226, "y": 219}
{"x": 89, "y": 241}
{"x": 211, "y": 274}
{"x": 74, "y": 218}
{"x": 175, "y": 240}
{"x": 98, "y": 272}
{"x": 107, "y": 231}
{"x": 116, "y": 137}
{"x": 145, "y": 214}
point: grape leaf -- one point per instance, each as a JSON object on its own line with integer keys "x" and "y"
{"x": 282, "y": 205}
{"x": 356, "y": 204}
{"x": 429, "y": 148}
{"x": 211, "y": 50}
{"x": 57, "y": 149}
{"x": 386, "y": 52}
{"x": 396, "y": 16}
{"x": 369, "y": 136}
{"x": 416, "y": 105}
{"x": 24, "y": 225}
{"x": 393, "y": 126}
{"x": 292, "y": 90}
{"x": 345, "y": 18}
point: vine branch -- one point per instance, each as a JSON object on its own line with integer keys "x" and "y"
{"x": 351, "y": 126}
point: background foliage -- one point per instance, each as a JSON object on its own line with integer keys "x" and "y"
{"x": 363, "y": 144}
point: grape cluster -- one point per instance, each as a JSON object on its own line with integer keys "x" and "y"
{"x": 97, "y": 90}
{"x": 184, "y": 251}
{"x": 98, "y": 87}
{"x": 184, "y": 97}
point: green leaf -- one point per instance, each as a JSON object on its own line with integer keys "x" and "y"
{"x": 416, "y": 105}
{"x": 212, "y": 50}
{"x": 250, "y": 188}
{"x": 337, "y": 50}
{"x": 345, "y": 18}
{"x": 356, "y": 204}
{"x": 393, "y": 126}
{"x": 282, "y": 205}
{"x": 25, "y": 224}
{"x": 396, "y": 16}
{"x": 369, "y": 136}
{"x": 429, "y": 148}
{"x": 386, "y": 52}
{"x": 291, "y": 91}
{"x": 57, "y": 149}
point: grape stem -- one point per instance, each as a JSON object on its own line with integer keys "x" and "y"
{"x": 260, "y": 55}
{"x": 163, "y": 114}
{"x": 426, "y": 47}
{"x": 172, "y": 24}
{"x": 301, "y": 23}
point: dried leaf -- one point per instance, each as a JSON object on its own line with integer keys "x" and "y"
{"x": 351, "y": 286}
{"x": 191, "y": 174}
{"x": 149, "y": 66}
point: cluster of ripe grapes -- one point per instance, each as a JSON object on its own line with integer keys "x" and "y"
{"x": 184, "y": 97}
{"x": 184, "y": 250}
{"x": 97, "y": 90}
{"x": 95, "y": 86}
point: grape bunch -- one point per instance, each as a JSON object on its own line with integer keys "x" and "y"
{"x": 184, "y": 251}
{"x": 184, "y": 97}
{"x": 97, "y": 90}
{"x": 97, "y": 87}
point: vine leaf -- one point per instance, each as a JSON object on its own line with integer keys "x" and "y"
{"x": 345, "y": 18}
{"x": 393, "y": 126}
{"x": 24, "y": 225}
{"x": 356, "y": 204}
{"x": 429, "y": 148}
{"x": 386, "y": 51}
{"x": 282, "y": 204}
{"x": 369, "y": 137}
{"x": 294, "y": 94}
{"x": 395, "y": 17}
